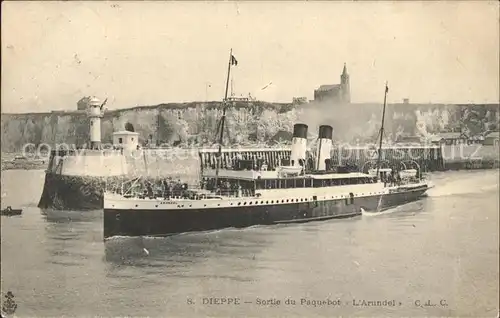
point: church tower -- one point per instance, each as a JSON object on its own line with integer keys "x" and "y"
{"x": 345, "y": 86}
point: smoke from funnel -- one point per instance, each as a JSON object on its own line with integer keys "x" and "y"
{"x": 351, "y": 122}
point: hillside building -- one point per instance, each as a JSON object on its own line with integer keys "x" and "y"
{"x": 340, "y": 93}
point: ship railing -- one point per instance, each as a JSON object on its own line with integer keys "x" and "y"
{"x": 403, "y": 181}
{"x": 121, "y": 188}
{"x": 188, "y": 197}
{"x": 192, "y": 192}
{"x": 132, "y": 183}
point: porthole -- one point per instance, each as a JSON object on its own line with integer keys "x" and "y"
{"x": 218, "y": 204}
{"x": 204, "y": 205}
{"x": 287, "y": 200}
{"x": 267, "y": 202}
{"x": 136, "y": 205}
{"x": 231, "y": 203}
{"x": 272, "y": 201}
{"x": 250, "y": 203}
{"x": 245, "y": 203}
{"x": 156, "y": 205}
{"x": 190, "y": 205}
{"x": 239, "y": 203}
{"x": 261, "y": 202}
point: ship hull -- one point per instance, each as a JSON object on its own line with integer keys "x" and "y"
{"x": 157, "y": 222}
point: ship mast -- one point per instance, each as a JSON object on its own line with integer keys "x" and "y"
{"x": 232, "y": 61}
{"x": 232, "y": 87}
{"x": 158, "y": 128}
{"x": 382, "y": 129}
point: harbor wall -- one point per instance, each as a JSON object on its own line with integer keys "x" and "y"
{"x": 429, "y": 158}
{"x": 76, "y": 180}
{"x": 77, "y": 186}
{"x": 91, "y": 163}
{"x": 247, "y": 123}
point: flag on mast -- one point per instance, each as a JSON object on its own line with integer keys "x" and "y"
{"x": 386, "y": 88}
{"x": 234, "y": 61}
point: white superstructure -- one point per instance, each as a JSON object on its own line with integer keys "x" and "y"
{"x": 285, "y": 190}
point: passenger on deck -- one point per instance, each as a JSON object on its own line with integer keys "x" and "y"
{"x": 391, "y": 179}
{"x": 149, "y": 189}
{"x": 167, "y": 191}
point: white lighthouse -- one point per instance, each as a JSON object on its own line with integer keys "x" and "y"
{"x": 95, "y": 114}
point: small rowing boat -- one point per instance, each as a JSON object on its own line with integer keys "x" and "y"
{"x": 9, "y": 211}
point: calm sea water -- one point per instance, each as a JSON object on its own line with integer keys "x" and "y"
{"x": 444, "y": 247}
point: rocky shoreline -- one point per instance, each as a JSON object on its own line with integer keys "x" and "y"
{"x": 183, "y": 123}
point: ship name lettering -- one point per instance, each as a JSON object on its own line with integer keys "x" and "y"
{"x": 168, "y": 202}
{"x": 373, "y": 303}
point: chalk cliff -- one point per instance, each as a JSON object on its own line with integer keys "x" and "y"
{"x": 246, "y": 123}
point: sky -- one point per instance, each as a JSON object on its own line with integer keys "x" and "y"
{"x": 147, "y": 53}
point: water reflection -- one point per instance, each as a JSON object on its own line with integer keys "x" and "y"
{"x": 64, "y": 216}
{"x": 59, "y": 263}
{"x": 184, "y": 248}
{"x": 72, "y": 236}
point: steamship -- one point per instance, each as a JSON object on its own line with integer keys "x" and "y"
{"x": 254, "y": 193}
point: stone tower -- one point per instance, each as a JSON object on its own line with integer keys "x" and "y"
{"x": 95, "y": 113}
{"x": 345, "y": 86}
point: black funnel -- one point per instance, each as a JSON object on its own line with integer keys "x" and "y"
{"x": 325, "y": 132}
{"x": 300, "y": 131}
